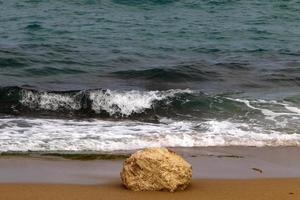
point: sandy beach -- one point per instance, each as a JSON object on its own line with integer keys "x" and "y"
{"x": 218, "y": 173}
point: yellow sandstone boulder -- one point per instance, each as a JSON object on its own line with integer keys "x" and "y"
{"x": 154, "y": 169}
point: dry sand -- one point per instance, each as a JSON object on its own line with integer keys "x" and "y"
{"x": 258, "y": 189}
{"x": 231, "y": 173}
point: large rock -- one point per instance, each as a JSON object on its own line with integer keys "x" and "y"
{"x": 156, "y": 169}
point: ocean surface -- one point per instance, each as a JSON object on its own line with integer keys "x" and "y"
{"x": 105, "y": 75}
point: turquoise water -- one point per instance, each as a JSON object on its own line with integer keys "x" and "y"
{"x": 157, "y": 72}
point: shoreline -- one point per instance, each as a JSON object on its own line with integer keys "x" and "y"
{"x": 207, "y": 162}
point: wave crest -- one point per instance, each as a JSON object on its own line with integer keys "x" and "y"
{"x": 110, "y": 103}
{"x": 49, "y": 101}
{"x": 129, "y": 102}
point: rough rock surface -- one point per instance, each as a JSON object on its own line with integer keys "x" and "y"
{"x": 155, "y": 169}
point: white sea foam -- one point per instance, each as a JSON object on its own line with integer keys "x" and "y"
{"x": 49, "y": 101}
{"x": 292, "y": 108}
{"x": 270, "y": 114}
{"x": 113, "y": 102}
{"x": 21, "y": 134}
{"x": 128, "y": 102}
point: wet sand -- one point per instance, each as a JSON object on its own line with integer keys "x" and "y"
{"x": 218, "y": 173}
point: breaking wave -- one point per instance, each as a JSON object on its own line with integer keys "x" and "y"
{"x": 107, "y": 120}
{"x": 99, "y": 103}
{"x": 187, "y": 104}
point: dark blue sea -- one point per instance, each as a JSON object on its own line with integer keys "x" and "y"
{"x": 105, "y": 75}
